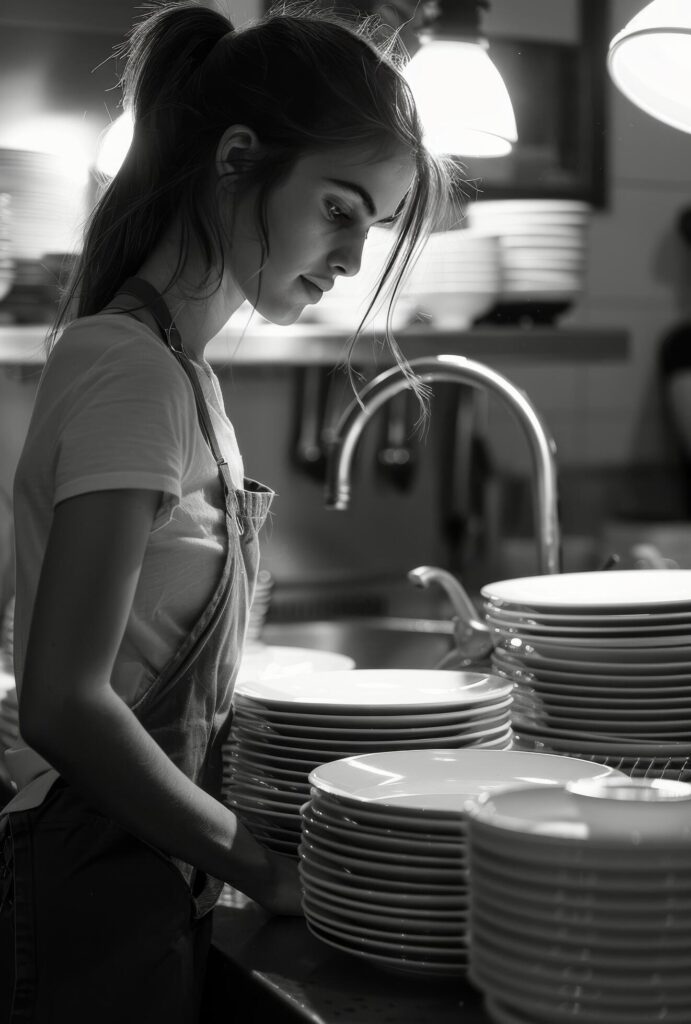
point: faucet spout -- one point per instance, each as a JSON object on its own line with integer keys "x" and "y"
{"x": 459, "y": 370}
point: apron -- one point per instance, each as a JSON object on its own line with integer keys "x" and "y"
{"x": 122, "y": 928}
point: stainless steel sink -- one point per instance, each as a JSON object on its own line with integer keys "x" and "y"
{"x": 373, "y": 642}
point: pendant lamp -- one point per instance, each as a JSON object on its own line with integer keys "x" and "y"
{"x": 464, "y": 105}
{"x": 650, "y": 61}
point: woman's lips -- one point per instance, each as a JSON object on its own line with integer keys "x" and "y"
{"x": 314, "y": 291}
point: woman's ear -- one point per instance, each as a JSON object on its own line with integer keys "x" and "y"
{"x": 237, "y": 148}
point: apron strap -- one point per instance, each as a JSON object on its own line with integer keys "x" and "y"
{"x": 154, "y": 302}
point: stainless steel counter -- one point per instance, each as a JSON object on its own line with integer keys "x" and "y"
{"x": 268, "y": 970}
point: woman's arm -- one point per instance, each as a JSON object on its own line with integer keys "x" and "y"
{"x": 71, "y": 715}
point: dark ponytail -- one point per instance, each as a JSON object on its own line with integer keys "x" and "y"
{"x": 305, "y": 80}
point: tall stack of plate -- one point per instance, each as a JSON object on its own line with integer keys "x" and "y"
{"x": 579, "y": 903}
{"x": 47, "y": 205}
{"x": 383, "y": 858}
{"x": 457, "y": 278}
{"x": 543, "y": 246}
{"x": 285, "y": 728}
{"x": 601, "y": 665}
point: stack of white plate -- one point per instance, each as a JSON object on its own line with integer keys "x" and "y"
{"x": 579, "y": 903}
{"x": 543, "y": 245}
{"x": 383, "y": 858}
{"x": 284, "y": 728}
{"x": 47, "y": 205}
{"x": 457, "y": 277}
{"x": 601, "y": 663}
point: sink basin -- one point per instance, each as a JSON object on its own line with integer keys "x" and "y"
{"x": 373, "y": 642}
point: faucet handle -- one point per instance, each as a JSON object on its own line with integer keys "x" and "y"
{"x": 472, "y": 636}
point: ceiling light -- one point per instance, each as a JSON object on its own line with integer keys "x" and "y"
{"x": 463, "y": 103}
{"x": 649, "y": 61}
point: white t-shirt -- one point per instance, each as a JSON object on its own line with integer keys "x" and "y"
{"x": 114, "y": 409}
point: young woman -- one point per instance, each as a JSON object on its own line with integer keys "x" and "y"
{"x": 259, "y": 162}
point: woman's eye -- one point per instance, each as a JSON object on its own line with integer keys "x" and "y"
{"x": 335, "y": 212}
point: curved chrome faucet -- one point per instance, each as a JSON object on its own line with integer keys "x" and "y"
{"x": 459, "y": 370}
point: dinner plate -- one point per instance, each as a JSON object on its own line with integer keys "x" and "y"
{"x": 600, "y": 743}
{"x": 651, "y": 633}
{"x": 431, "y": 902}
{"x": 455, "y": 920}
{"x": 617, "y": 653}
{"x": 397, "y": 689}
{"x": 307, "y": 717}
{"x": 441, "y": 781}
{"x": 381, "y": 917}
{"x": 336, "y": 831}
{"x": 580, "y": 999}
{"x": 429, "y": 827}
{"x": 330, "y": 839}
{"x": 372, "y": 865}
{"x": 400, "y": 965}
{"x": 625, "y": 929}
{"x": 602, "y": 619}
{"x": 574, "y": 592}
{"x": 614, "y": 987}
{"x": 390, "y": 731}
{"x": 554, "y": 812}
{"x": 553, "y": 694}
{"x": 394, "y": 939}
{"x": 536, "y": 663}
{"x": 679, "y": 681}
{"x": 370, "y": 882}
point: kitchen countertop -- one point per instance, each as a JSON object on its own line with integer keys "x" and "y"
{"x": 268, "y": 969}
{"x": 321, "y": 344}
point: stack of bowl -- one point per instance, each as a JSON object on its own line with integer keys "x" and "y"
{"x": 601, "y": 665}
{"x": 383, "y": 858}
{"x": 284, "y": 728}
{"x": 579, "y": 902}
{"x": 456, "y": 279}
{"x": 543, "y": 246}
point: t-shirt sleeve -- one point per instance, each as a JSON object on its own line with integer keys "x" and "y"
{"x": 127, "y": 426}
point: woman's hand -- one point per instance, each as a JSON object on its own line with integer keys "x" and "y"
{"x": 284, "y": 894}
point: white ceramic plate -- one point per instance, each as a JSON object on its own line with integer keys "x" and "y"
{"x": 651, "y": 633}
{"x": 381, "y": 916}
{"x": 446, "y": 944}
{"x": 404, "y": 689}
{"x": 391, "y": 730}
{"x": 601, "y": 743}
{"x": 371, "y": 866}
{"x": 405, "y": 825}
{"x": 454, "y": 905}
{"x": 535, "y": 662}
{"x": 679, "y": 681}
{"x": 602, "y": 620}
{"x": 441, "y": 781}
{"x": 554, "y": 811}
{"x": 617, "y": 652}
{"x": 341, "y": 829}
{"x": 620, "y": 592}
{"x": 308, "y": 717}
{"x": 403, "y": 965}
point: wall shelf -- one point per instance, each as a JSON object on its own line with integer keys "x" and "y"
{"x": 320, "y": 345}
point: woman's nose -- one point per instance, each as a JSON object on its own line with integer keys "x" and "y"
{"x": 347, "y": 259}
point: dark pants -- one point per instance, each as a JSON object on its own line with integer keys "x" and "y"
{"x": 99, "y": 926}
